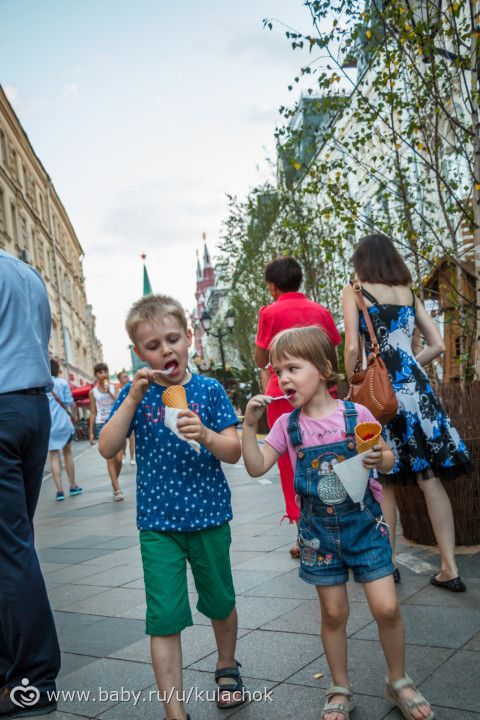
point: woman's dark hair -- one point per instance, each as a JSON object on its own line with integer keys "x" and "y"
{"x": 377, "y": 260}
{"x": 100, "y": 367}
{"x": 54, "y": 367}
{"x": 285, "y": 273}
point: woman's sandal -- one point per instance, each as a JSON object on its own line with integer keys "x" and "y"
{"x": 456, "y": 584}
{"x": 336, "y": 707}
{"x": 235, "y": 687}
{"x": 408, "y": 704}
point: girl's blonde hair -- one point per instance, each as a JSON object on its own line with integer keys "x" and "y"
{"x": 309, "y": 343}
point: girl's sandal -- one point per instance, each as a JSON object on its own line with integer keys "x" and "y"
{"x": 336, "y": 707}
{"x": 407, "y": 705}
{"x": 234, "y": 687}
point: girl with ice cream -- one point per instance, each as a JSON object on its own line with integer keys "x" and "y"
{"x": 336, "y": 534}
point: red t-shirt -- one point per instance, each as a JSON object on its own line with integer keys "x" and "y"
{"x": 291, "y": 309}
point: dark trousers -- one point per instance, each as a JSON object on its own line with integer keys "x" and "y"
{"x": 28, "y": 638}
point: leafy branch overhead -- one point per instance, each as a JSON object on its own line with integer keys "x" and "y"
{"x": 382, "y": 138}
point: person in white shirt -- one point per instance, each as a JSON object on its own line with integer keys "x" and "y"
{"x": 102, "y": 398}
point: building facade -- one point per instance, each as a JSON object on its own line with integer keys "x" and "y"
{"x": 35, "y": 227}
{"x": 205, "y": 282}
{"x": 213, "y": 295}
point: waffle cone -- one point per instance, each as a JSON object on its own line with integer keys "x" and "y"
{"x": 175, "y": 397}
{"x": 367, "y": 434}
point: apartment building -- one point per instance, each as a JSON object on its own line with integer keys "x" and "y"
{"x": 35, "y": 227}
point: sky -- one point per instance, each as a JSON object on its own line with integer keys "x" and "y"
{"x": 146, "y": 113}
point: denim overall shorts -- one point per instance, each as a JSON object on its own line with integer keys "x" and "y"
{"x": 335, "y": 533}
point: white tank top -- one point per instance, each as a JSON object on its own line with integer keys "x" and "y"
{"x": 104, "y": 403}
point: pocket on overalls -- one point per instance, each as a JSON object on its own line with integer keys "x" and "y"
{"x": 379, "y": 521}
{"x": 309, "y": 546}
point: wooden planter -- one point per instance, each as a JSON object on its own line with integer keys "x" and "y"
{"x": 463, "y": 407}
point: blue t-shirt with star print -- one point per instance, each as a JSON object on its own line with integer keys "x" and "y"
{"x": 179, "y": 489}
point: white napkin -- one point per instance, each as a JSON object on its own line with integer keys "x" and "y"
{"x": 354, "y": 476}
{"x": 171, "y": 419}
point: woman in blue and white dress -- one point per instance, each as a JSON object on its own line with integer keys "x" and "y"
{"x": 427, "y": 448}
{"x": 61, "y": 432}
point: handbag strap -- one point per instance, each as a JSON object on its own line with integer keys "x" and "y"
{"x": 62, "y": 405}
{"x": 375, "y": 349}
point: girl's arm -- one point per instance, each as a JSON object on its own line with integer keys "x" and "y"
{"x": 431, "y": 333}
{"x": 257, "y": 461}
{"x": 350, "y": 316}
{"x": 380, "y": 457}
{"x": 91, "y": 419}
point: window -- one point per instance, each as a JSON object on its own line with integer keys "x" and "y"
{"x": 68, "y": 346}
{"x": 40, "y": 205}
{"x": 48, "y": 264}
{"x": 40, "y": 253}
{"x": 24, "y": 179}
{"x": 3, "y": 148}
{"x": 22, "y": 235}
{"x": 14, "y": 162}
{"x": 2, "y": 212}
{"x": 13, "y": 213}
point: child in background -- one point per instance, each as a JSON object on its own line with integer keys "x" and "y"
{"x": 102, "y": 399}
{"x": 61, "y": 432}
{"x": 183, "y": 499}
{"x": 123, "y": 378}
{"x": 335, "y": 534}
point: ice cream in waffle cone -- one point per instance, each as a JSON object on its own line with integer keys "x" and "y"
{"x": 367, "y": 434}
{"x": 175, "y": 397}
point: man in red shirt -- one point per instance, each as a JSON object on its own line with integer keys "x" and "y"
{"x": 290, "y": 309}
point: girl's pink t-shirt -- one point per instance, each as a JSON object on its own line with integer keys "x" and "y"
{"x": 322, "y": 431}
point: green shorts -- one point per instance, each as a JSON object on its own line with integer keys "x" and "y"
{"x": 164, "y": 557}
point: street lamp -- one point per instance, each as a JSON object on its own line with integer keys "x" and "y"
{"x": 206, "y": 321}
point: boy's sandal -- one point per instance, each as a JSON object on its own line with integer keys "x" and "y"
{"x": 234, "y": 687}
{"x": 456, "y": 584}
{"x": 407, "y": 705}
{"x": 336, "y": 707}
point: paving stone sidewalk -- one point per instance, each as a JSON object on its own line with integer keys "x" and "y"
{"x": 88, "y": 547}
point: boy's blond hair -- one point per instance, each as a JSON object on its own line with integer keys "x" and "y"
{"x": 152, "y": 308}
{"x": 309, "y": 343}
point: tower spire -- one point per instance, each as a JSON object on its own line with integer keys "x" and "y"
{"x": 147, "y": 287}
{"x": 206, "y": 255}
{"x": 199, "y": 269}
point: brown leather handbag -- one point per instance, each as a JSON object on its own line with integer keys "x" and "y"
{"x": 371, "y": 387}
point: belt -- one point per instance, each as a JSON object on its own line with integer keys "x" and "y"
{"x": 28, "y": 391}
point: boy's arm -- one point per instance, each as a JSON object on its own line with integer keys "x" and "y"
{"x": 91, "y": 419}
{"x": 225, "y": 444}
{"x": 257, "y": 461}
{"x": 115, "y": 431}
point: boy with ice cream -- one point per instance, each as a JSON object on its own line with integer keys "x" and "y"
{"x": 183, "y": 500}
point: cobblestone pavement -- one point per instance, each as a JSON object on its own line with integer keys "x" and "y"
{"x": 88, "y": 546}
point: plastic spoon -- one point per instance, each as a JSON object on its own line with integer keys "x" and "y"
{"x": 167, "y": 371}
